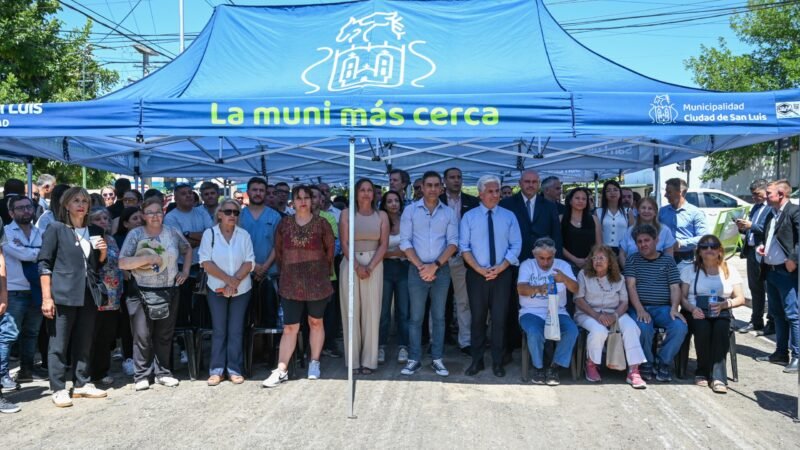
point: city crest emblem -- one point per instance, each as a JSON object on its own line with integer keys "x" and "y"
{"x": 371, "y": 51}
{"x": 662, "y": 111}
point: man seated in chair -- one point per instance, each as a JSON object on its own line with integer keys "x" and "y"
{"x": 654, "y": 294}
{"x": 532, "y": 287}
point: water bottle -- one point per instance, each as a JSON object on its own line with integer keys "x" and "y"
{"x": 712, "y": 299}
{"x": 552, "y": 289}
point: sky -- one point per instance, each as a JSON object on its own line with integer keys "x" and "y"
{"x": 656, "y": 51}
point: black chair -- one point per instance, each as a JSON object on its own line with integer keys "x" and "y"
{"x": 188, "y": 336}
{"x": 526, "y": 358}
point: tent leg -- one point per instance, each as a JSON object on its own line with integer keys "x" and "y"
{"x": 351, "y": 216}
{"x": 657, "y": 179}
{"x": 29, "y": 169}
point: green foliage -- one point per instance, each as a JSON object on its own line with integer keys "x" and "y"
{"x": 40, "y": 62}
{"x": 774, "y": 63}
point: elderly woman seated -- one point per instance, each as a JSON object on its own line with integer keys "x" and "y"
{"x": 532, "y": 283}
{"x": 602, "y": 301}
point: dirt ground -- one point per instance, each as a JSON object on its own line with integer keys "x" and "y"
{"x": 422, "y": 411}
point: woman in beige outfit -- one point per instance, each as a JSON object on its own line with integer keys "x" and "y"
{"x": 371, "y": 241}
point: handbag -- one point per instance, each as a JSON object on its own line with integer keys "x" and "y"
{"x": 156, "y": 301}
{"x": 201, "y": 286}
{"x": 94, "y": 283}
{"x": 615, "y": 348}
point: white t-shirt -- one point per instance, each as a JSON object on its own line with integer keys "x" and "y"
{"x": 531, "y": 273}
{"x": 705, "y": 283}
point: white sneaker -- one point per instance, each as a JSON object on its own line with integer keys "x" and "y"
{"x": 381, "y": 355}
{"x": 61, "y": 398}
{"x": 402, "y": 355}
{"x": 167, "y": 381}
{"x": 275, "y": 378}
{"x": 411, "y": 367}
{"x": 313, "y": 370}
{"x": 127, "y": 367}
{"x": 88, "y": 391}
{"x": 184, "y": 357}
{"x": 438, "y": 366}
{"x": 141, "y": 385}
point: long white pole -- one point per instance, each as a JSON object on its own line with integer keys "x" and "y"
{"x": 351, "y": 251}
{"x": 29, "y": 169}
{"x": 180, "y": 25}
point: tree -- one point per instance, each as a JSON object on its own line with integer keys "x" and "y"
{"x": 771, "y": 29}
{"x": 40, "y": 62}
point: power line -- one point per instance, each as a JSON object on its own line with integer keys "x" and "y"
{"x": 120, "y": 22}
{"x": 128, "y": 34}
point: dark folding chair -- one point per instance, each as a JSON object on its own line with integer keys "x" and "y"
{"x": 526, "y": 358}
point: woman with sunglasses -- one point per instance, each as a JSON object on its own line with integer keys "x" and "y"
{"x": 151, "y": 254}
{"x": 710, "y": 290}
{"x": 109, "y": 196}
{"x": 226, "y": 254}
{"x": 648, "y": 214}
{"x": 304, "y": 246}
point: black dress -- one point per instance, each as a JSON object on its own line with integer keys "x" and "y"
{"x": 578, "y": 240}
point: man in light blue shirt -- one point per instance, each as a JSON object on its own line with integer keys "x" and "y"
{"x": 490, "y": 242}
{"x": 429, "y": 237}
{"x": 687, "y": 222}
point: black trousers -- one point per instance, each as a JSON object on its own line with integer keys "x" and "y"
{"x": 71, "y": 336}
{"x": 513, "y": 330}
{"x": 756, "y": 281}
{"x": 711, "y": 342}
{"x": 487, "y": 297}
{"x": 152, "y": 339}
{"x": 105, "y": 333}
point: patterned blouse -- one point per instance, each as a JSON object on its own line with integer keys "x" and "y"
{"x": 169, "y": 244}
{"x": 112, "y": 277}
{"x": 305, "y": 257}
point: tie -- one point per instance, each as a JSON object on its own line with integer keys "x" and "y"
{"x": 492, "y": 259}
{"x": 530, "y": 211}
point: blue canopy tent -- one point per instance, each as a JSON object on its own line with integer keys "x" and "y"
{"x": 334, "y": 89}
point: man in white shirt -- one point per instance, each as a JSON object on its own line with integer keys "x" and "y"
{"x": 532, "y": 287}
{"x": 21, "y": 248}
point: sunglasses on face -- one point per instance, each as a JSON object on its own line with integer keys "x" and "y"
{"x": 707, "y": 245}
{"x": 109, "y": 195}
{"x": 230, "y": 212}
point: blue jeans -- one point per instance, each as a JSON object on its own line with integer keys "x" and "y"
{"x": 418, "y": 291}
{"x": 534, "y": 329}
{"x": 395, "y": 284}
{"x": 8, "y": 334}
{"x": 227, "y": 319}
{"x": 659, "y": 318}
{"x": 782, "y": 293}
{"x": 28, "y": 317}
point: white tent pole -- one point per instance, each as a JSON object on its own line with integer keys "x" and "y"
{"x": 657, "y": 178}
{"x": 351, "y": 251}
{"x": 596, "y": 197}
{"x": 29, "y": 169}
{"x": 180, "y": 24}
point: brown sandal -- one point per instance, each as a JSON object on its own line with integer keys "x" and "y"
{"x": 214, "y": 380}
{"x": 236, "y": 379}
{"x": 367, "y": 371}
{"x": 700, "y": 381}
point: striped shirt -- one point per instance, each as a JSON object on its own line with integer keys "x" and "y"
{"x": 653, "y": 277}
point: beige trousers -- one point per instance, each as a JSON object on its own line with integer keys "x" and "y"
{"x": 367, "y": 295}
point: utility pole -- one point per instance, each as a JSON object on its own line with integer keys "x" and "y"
{"x": 146, "y": 53}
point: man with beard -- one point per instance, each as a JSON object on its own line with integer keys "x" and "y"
{"x": 260, "y": 222}
{"x": 21, "y": 248}
{"x": 209, "y": 192}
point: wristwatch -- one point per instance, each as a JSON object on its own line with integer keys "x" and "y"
{"x": 186, "y": 234}
{"x": 438, "y": 264}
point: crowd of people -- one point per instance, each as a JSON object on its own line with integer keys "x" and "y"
{"x": 82, "y": 271}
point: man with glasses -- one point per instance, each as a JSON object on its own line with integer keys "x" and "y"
{"x": 46, "y": 183}
{"x": 11, "y": 188}
{"x": 191, "y": 222}
{"x": 417, "y": 190}
{"x": 282, "y": 192}
{"x": 121, "y": 186}
{"x": 21, "y": 249}
{"x": 209, "y": 192}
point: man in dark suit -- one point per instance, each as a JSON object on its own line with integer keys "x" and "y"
{"x": 551, "y": 190}
{"x": 460, "y": 203}
{"x": 753, "y": 229}
{"x": 780, "y": 251}
{"x": 537, "y": 217}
